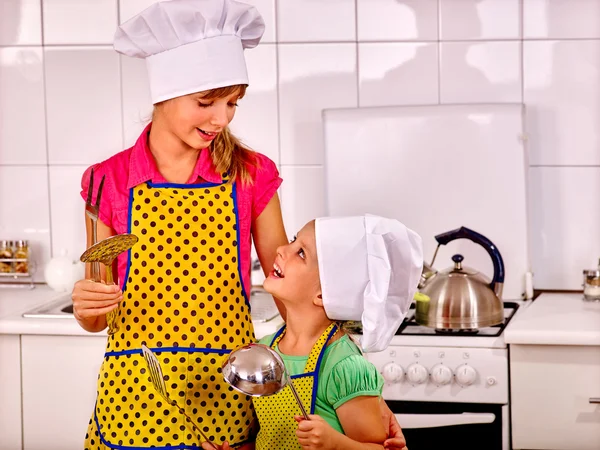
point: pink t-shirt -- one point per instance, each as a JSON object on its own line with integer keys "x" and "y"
{"x": 136, "y": 165}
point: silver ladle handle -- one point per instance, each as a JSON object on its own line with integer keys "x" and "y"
{"x": 291, "y": 385}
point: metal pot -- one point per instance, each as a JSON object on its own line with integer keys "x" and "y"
{"x": 461, "y": 298}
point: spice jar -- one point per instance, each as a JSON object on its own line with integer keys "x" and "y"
{"x": 6, "y": 254}
{"x": 591, "y": 284}
{"x": 22, "y": 253}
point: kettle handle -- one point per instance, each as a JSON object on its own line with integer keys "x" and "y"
{"x": 489, "y": 246}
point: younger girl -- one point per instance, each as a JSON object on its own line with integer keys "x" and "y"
{"x": 356, "y": 268}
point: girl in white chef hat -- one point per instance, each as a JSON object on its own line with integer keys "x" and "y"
{"x": 363, "y": 268}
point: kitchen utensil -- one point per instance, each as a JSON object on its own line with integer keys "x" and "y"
{"x": 591, "y": 284}
{"x": 105, "y": 252}
{"x": 91, "y": 211}
{"x": 158, "y": 381}
{"x": 257, "y": 370}
{"x": 460, "y": 298}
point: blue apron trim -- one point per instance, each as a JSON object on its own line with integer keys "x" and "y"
{"x": 302, "y": 375}
{"x": 124, "y": 286}
{"x": 276, "y": 335}
{"x": 317, "y": 368}
{"x": 123, "y": 447}
{"x": 237, "y": 233}
{"x": 158, "y": 350}
{"x": 182, "y": 186}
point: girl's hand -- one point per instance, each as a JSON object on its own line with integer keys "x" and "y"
{"x": 315, "y": 433}
{"x": 91, "y": 299}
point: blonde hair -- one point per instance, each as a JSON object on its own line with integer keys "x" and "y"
{"x": 228, "y": 153}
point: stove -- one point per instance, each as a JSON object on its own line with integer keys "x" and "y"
{"x": 440, "y": 383}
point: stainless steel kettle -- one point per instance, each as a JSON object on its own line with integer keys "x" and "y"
{"x": 461, "y": 298}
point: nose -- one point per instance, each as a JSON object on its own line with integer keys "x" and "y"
{"x": 220, "y": 117}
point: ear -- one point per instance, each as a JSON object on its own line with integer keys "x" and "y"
{"x": 318, "y": 301}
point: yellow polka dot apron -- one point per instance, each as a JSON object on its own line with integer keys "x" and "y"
{"x": 184, "y": 299}
{"x": 276, "y": 412}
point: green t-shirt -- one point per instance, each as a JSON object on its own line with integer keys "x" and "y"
{"x": 344, "y": 374}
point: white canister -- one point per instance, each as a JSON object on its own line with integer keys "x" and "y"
{"x": 62, "y": 272}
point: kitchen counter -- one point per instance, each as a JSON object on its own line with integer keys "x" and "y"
{"x": 16, "y": 301}
{"x": 556, "y": 319}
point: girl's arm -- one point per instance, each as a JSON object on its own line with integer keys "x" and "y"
{"x": 268, "y": 233}
{"x": 361, "y": 421}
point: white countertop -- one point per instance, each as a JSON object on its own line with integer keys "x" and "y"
{"x": 16, "y": 301}
{"x": 556, "y": 319}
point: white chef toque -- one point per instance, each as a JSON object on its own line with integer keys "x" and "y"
{"x": 369, "y": 268}
{"x": 191, "y": 45}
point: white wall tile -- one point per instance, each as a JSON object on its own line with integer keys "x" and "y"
{"x": 565, "y": 220}
{"x": 137, "y": 103}
{"x": 482, "y": 72}
{"x": 83, "y": 96}
{"x": 22, "y": 114}
{"x": 312, "y": 77}
{"x": 316, "y": 20}
{"x": 397, "y": 20}
{"x": 255, "y": 120}
{"x": 302, "y": 196}
{"x": 79, "y": 21}
{"x": 20, "y": 22}
{"x": 556, "y": 19}
{"x": 26, "y": 216}
{"x": 129, "y": 8}
{"x": 561, "y": 91}
{"x": 397, "y": 73}
{"x": 67, "y": 210}
{"x": 479, "y": 19}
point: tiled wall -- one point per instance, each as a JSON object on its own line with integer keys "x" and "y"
{"x": 68, "y": 100}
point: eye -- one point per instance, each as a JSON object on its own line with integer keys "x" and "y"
{"x": 204, "y": 105}
{"x": 232, "y": 105}
{"x": 301, "y": 254}
{"x": 293, "y": 239}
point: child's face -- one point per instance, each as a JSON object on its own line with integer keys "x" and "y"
{"x": 197, "y": 119}
{"x": 295, "y": 274}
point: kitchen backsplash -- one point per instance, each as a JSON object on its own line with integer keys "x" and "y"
{"x": 68, "y": 100}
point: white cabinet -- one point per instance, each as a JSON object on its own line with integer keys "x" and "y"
{"x": 59, "y": 376}
{"x": 10, "y": 392}
{"x": 550, "y": 391}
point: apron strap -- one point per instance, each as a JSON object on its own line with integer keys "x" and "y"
{"x": 316, "y": 354}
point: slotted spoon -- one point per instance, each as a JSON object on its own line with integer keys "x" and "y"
{"x": 158, "y": 381}
{"x": 105, "y": 252}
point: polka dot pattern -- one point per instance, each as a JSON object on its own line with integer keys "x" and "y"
{"x": 276, "y": 412}
{"x": 184, "y": 300}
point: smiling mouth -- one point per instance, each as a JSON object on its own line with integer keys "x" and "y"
{"x": 277, "y": 271}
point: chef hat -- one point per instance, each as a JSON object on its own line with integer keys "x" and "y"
{"x": 191, "y": 45}
{"x": 369, "y": 267}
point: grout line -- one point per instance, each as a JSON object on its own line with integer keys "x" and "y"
{"x": 121, "y": 82}
{"x": 439, "y": 52}
{"x": 277, "y": 82}
{"x": 522, "y": 45}
{"x": 357, "y": 54}
{"x": 566, "y": 166}
{"x": 45, "y": 86}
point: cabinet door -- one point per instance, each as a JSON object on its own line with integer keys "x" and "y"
{"x": 550, "y": 391}
{"x": 10, "y": 392}
{"x": 59, "y": 389}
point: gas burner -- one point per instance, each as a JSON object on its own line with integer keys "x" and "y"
{"x": 410, "y": 327}
{"x": 451, "y": 332}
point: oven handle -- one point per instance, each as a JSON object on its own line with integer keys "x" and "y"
{"x": 442, "y": 420}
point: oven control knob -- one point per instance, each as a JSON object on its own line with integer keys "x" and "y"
{"x": 417, "y": 374}
{"x": 441, "y": 375}
{"x": 392, "y": 373}
{"x": 466, "y": 375}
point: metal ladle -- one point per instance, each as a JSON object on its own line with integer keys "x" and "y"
{"x": 105, "y": 252}
{"x": 257, "y": 370}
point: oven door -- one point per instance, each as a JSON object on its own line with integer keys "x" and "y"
{"x": 433, "y": 426}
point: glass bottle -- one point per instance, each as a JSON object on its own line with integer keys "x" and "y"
{"x": 5, "y": 253}
{"x": 22, "y": 252}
